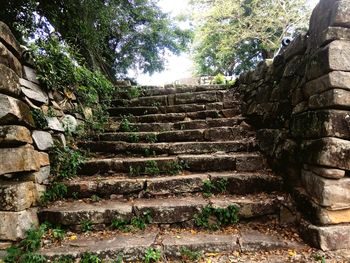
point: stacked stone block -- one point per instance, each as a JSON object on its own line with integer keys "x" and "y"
{"x": 300, "y": 102}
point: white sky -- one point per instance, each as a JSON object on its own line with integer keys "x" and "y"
{"x": 177, "y": 67}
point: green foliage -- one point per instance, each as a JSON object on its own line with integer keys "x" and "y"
{"x": 232, "y": 36}
{"x": 216, "y": 186}
{"x": 190, "y": 255}
{"x": 152, "y": 168}
{"x": 56, "y": 191}
{"x": 126, "y": 125}
{"x": 136, "y": 222}
{"x": 95, "y": 198}
{"x": 26, "y": 250}
{"x": 65, "y": 162}
{"x": 86, "y": 225}
{"x": 112, "y": 36}
{"x": 214, "y": 218}
{"x": 134, "y": 92}
{"x": 133, "y": 137}
{"x": 175, "y": 168}
{"x": 319, "y": 258}
{"x": 151, "y": 138}
{"x": 134, "y": 170}
{"x": 64, "y": 259}
{"x": 219, "y": 79}
{"x": 152, "y": 255}
{"x": 120, "y": 224}
{"x": 58, "y": 233}
{"x": 90, "y": 258}
{"x": 39, "y": 119}
{"x": 148, "y": 152}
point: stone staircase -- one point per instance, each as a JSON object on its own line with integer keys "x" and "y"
{"x": 180, "y": 150}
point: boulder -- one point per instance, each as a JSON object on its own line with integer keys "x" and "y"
{"x": 9, "y": 60}
{"x": 12, "y": 135}
{"x": 30, "y": 74}
{"x": 43, "y": 140}
{"x": 329, "y": 152}
{"x": 9, "y": 81}
{"x": 14, "y": 111}
{"x": 14, "y": 225}
{"x": 16, "y": 196}
{"x": 331, "y": 193}
{"x": 54, "y": 124}
{"x": 21, "y": 159}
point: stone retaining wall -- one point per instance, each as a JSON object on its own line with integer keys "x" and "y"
{"x": 24, "y": 161}
{"x": 300, "y": 103}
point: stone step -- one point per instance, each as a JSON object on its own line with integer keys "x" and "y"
{"x": 234, "y": 183}
{"x": 202, "y": 97}
{"x": 172, "y": 246}
{"x": 177, "y": 117}
{"x": 139, "y": 111}
{"x": 145, "y": 149}
{"x": 211, "y": 134}
{"x": 114, "y": 126}
{"x": 147, "y": 91}
{"x": 240, "y": 162}
{"x": 169, "y": 210}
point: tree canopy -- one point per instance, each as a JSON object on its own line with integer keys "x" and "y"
{"x": 234, "y": 35}
{"x": 112, "y": 35}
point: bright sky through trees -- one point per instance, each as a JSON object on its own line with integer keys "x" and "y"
{"x": 178, "y": 67}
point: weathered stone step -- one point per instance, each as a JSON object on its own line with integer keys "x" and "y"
{"x": 180, "y": 98}
{"x": 176, "y": 117}
{"x": 147, "y": 91}
{"x": 211, "y": 134}
{"x": 233, "y": 183}
{"x": 138, "y": 111}
{"x": 240, "y": 162}
{"x": 114, "y": 126}
{"x": 145, "y": 149}
{"x": 132, "y": 248}
{"x": 171, "y": 210}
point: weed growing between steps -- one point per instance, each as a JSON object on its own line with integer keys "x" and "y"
{"x": 126, "y": 125}
{"x": 137, "y": 222}
{"x": 190, "y": 255}
{"x": 134, "y": 92}
{"x": 133, "y": 137}
{"x": 213, "y": 218}
{"x": 152, "y": 168}
{"x": 151, "y": 138}
{"x": 152, "y": 255}
{"x": 26, "y": 250}
{"x": 217, "y": 186}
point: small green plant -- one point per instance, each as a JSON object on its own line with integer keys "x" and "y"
{"x": 75, "y": 195}
{"x": 151, "y": 138}
{"x": 126, "y": 125}
{"x": 51, "y": 112}
{"x": 190, "y": 255}
{"x": 65, "y": 162}
{"x": 95, "y": 198}
{"x": 133, "y": 137}
{"x": 319, "y": 258}
{"x": 148, "y": 152}
{"x": 58, "y": 233}
{"x": 90, "y": 258}
{"x": 64, "y": 259}
{"x": 152, "y": 168}
{"x": 134, "y": 92}
{"x": 175, "y": 168}
{"x": 219, "y": 79}
{"x": 120, "y": 224}
{"x": 39, "y": 119}
{"x": 152, "y": 255}
{"x": 217, "y": 186}
{"x": 156, "y": 104}
{"x": 142, "y": 220}
{"x": 56, "y": 191}
{"x": 134, "y": 170}
{"x": 213, "y": 218}
{"x": 86, "y": 225}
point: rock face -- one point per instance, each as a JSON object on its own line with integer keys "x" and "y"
{"x": 22, "y": 159}
{"x": 14, "y": 111}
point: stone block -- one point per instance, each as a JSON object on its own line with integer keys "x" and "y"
{"x": 331, "y": 193}
{"x": 7, "y": 38}
{"x": 16, "y": 196}
{"x": 333, "y": 80}
{"x": 40, "y": 177}
{"x": 43, "y": 158}
{"x": 9, "y": 60}
{"x": 334, "y": 57}
{"x": 13, "y": 225}
{"x": 326, "y": 172}
{"x": 321, "y": 123}
{"x": 33, "y": 91}
{"x": 54, "y": 124}
{"x": 330, "y": 152}
{"x": 340, "y": 15}
{"x": 11, "y": 135}
{"x": 21, "y": 159}
{"x": 326, "y": 237}
{"x": 14, "y": 111}
{"x": 43, "y": 140}
{"x": 9, "y": 81}
{"x": 334, "y": 33}
{"x": 334, "y": 98}
{"x": 30, "y": 74}
{"x": 297, "y": 47}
